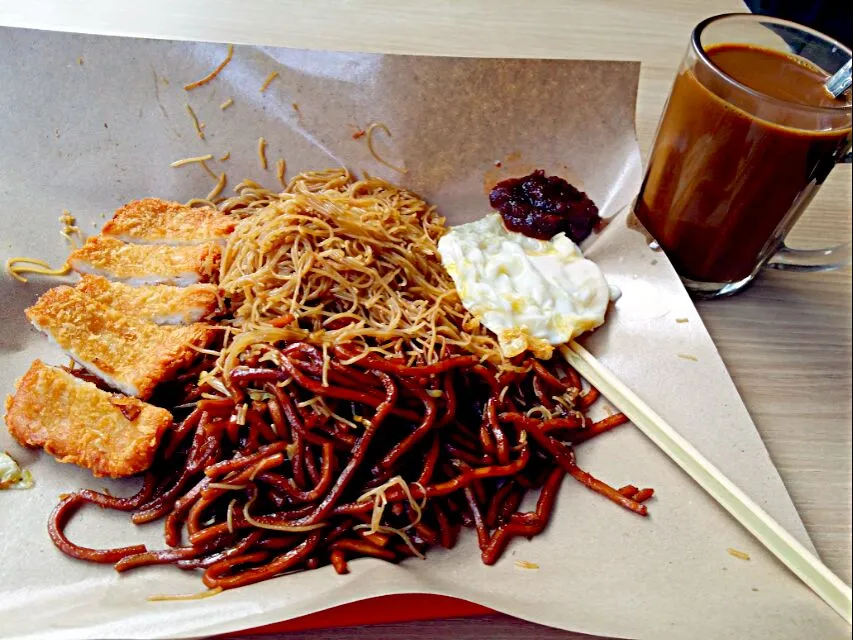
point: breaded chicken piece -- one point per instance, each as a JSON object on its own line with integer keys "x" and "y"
{"x": 155, "y": 221}
{"x": 76, "y": 422}
{"x": 137, "y": 264}
{"x": 160, "y": 304}
{"x": 128, "y": 354}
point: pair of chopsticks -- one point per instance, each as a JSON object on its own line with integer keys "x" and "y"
{"x": 757, "y": 521}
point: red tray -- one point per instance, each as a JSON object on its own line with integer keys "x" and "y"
{"x": 384, "y": 609}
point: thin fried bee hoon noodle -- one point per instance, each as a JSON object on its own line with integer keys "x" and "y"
{"x": 354, "y": 410}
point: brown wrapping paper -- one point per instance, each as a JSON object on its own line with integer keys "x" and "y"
{"x": 91, "y": 122}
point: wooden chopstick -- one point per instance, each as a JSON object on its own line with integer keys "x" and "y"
{"x": 757, "y": 521}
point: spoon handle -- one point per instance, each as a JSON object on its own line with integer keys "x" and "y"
{"x": 839, "y": 82}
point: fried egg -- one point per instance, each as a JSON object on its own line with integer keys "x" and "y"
{"x": 532, "y": 294}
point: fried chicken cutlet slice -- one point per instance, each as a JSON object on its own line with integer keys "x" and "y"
{"x": 126, "y": 353}
{"x": 138, "y": 264}
{"x": 155, "y": 221}
{"x": 160, "y": 304}
{"x": 78, "y": 423}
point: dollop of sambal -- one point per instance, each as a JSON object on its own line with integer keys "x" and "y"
{"x": 541, "y": 206}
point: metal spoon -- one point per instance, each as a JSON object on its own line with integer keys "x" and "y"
{"x": 840, "y": 81}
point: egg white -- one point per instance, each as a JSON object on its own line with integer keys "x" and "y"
{"x": 532, "y": 294}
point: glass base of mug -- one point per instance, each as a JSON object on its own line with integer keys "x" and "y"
{"x": 712, "y": 290}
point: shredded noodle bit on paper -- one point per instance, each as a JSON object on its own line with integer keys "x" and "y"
{"x": 195, "y": 159}
{"x": 70, "y": 231}
{"x": 19, "y": 265}
{"x": 280, "y": 170}
{"x": 272, "y": 76}
{"x": 198, "y": 126}
{"x": 741, "y": 555}
{"x": 687, "y": 356}
{"x": 218, "y": 187}
{"x": 262, "y": 153}
{"x": 185, "y": 596}
{"x": 210, "y": 76}
{"x": 524, "y": 564}
{"x": 384, "y": 128}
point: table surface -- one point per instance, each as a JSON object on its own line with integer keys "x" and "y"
{"x": 786, "y": 341}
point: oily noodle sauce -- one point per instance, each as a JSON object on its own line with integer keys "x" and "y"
{"x": 731, "y": 170}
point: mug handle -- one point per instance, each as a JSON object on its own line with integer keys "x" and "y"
{"x": 788, "y": 259}
{"x": 805, "y": 260}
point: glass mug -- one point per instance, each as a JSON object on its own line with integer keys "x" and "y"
{"x": 746, "y": 138}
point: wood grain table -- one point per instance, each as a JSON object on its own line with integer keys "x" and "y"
{"x": 786, "y": 341}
